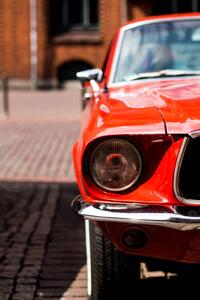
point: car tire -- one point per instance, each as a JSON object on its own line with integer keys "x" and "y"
{"x": 109, "y": 271}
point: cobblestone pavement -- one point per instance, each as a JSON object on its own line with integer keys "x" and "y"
{"x": 44, "y": 105}
{"x": 37, "y": 136}
{"x": 42, "y": 254}
{"x": 37, "y": 150}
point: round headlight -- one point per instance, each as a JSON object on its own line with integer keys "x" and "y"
{"x": 115, "y": 165}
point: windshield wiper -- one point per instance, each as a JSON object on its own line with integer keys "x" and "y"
{"x": 162, "y": 73}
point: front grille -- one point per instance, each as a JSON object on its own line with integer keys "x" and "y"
{"x": 189, "y": 173}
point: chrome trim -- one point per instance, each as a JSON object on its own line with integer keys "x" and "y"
{"x": 194, "y": 134}
{"x": 90, "y": 74}
{"x": 95, "y": 86}
{"x": 124, "y": 83}
{"x": 134, "y": 25}
{"x": 178, "y": 168}
{"x": 135, "y": 214}
{"x": 163, "y": 19}
{"x": 115, "y": 58}
{"x": 88, "y": 257}
{"x": 181, "y": 154}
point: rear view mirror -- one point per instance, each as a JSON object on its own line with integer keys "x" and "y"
{"x": 87, "y": 75}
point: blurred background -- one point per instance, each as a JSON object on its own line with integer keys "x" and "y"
{"x": 43, "y": 43}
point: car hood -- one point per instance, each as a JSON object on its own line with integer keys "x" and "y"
{"x": 177, "y": 101}
{"x": 122, "y": 112}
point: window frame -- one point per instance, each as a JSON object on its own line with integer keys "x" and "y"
{"x": 111, "y": 82}
{"x": 85, "y": 16}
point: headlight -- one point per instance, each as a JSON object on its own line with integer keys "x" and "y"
{"x": 115, "y": 165}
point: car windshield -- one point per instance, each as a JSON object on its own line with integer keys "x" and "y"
{"x": 167, "y": 45}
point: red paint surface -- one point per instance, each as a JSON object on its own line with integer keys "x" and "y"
{"x": 155, "y": 115}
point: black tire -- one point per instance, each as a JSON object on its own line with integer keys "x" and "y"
{"x": 110, "y": 272}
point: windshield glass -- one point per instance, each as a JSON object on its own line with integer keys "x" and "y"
{"x": 169, "y": 45}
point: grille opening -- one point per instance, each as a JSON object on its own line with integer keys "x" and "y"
{"x": 190, "y": 211}
{"x": 189, "y": 177}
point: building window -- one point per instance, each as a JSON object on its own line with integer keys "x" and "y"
{"x": 74, "y": 15}
{"x": 140, "y": 8}
{"x": 176, "y": 6}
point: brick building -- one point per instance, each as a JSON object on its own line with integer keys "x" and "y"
{"x": 46, "y": 41}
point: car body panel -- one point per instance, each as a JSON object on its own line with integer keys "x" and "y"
{"x": 163, "y": 243}
{"x": 178, "y": 102}
{"x": 155, "y": 114}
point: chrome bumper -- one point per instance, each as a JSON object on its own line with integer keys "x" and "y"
{"x": 136, "y": 214}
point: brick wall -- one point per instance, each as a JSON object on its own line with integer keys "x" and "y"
{"x": 14, "y": 38}
{"x": 54, "y": 52}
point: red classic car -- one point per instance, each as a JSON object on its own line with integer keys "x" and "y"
{"x": 138, "y": 156}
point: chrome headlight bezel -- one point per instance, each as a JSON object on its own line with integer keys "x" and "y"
{"x": 111, "y": 140}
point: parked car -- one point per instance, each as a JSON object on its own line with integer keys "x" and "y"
{"x": 137, "y": 158}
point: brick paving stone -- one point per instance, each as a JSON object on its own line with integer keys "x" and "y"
{"x": 5, "y": 295}
{"x": 51, "y": 292}
{"x": 23, "y": 296}
{"x": 21, "y": 288}
{"x": 38, "y": 257}
{"x": 6, "y": 282}
{"x": 6, "y": 288}
{"x": 8, "y": 274}
{"x": 36, "y": 221}
{"x": 37, "y": 151}
{"x": 55, "y": 283}
{"x": 26, "y": 281}
{"x": 46, "y": 298}
{"x": 76, "y": 292}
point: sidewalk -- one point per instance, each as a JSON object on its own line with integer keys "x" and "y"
{"x": 42, "y": 252}
{"x": 44, "y": 105}
{"x": 37, "y": 137}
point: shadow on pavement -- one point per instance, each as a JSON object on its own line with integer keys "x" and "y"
{"x": 42, "y": 252}
{"x": 157, "y": 288}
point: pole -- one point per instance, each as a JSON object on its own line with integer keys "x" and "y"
{"x": 124, "y": 11}
{"x": 5, "y": 86}
{"x": 33, "y": 44}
